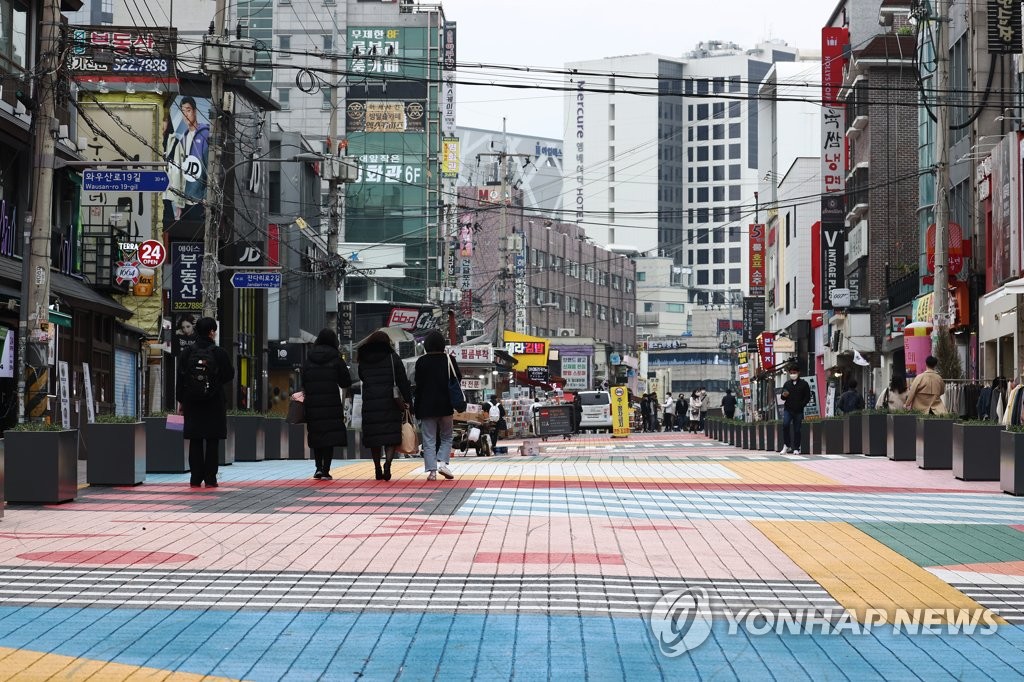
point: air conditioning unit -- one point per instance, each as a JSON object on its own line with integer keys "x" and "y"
{"x": 566, "y": 332}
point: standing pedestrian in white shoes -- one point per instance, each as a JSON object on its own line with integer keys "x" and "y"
{"x": 433, "y": 404}
{"x": 796, "y": 393}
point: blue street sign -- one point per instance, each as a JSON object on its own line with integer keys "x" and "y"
{"x": 124, "y": 181}
{"x": 256, "y": 280}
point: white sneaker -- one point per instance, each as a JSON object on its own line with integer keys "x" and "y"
{"x": 785, "y": 450}
{"x": 443, "y": 469}
{"x": 797, "y": 451}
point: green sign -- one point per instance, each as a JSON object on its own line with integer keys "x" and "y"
{"x": 60, "y": 319}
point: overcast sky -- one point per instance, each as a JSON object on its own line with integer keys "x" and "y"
{"x": 549, "y": 33}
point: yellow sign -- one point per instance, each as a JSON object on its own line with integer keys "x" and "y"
{"x": 529, "y": 351}
{"x": 620, "y": 412}
{"x": 450, "y": 157}
{"x": 385, "y": 117}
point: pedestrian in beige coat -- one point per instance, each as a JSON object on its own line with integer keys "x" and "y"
{"x": 927, "y": 389}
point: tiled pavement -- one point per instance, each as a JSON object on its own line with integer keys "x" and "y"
{"x": 524, "y": 568}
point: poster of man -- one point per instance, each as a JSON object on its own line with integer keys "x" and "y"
{"x": 190, "y": 122}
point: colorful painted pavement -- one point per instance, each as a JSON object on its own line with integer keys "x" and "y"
{"x": 524, "y": 568}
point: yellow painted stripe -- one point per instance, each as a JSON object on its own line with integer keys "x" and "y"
{"x": 786, "y": 473}
{"x": 34, "y": 665}
{"x": 860, "y": 572}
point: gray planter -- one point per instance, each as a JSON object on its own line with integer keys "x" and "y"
{"x": 901, "y": 437}
{"x": 117, "y": 453}
{"x": 297, "y": 442}
{"x": 935, "y": 443}
{"x": 245, "y": 438}
{"x": 806, "y": 437}
{"x": 817, "y": 438}
{"x": 1011, "y": 462}
{"x": 772, "y": 440}
{"x": 976, "y": 451}
{"x": 41, "y": 466}
{"x": 762, "y": 438}
{"x": 873, "y": 428}
{"x": 275, "y": 438}
{"x": 2, "y": 503}
{"x": 852, "y": 429}
{"x": 833, "y": 436}
{"x": 165, "y": 449}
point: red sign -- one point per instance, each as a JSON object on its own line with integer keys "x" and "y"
{"x": 757, "y": 265}
{"x": 956, "y": 248}
{"x": 817, "y": 319}
{"x": 403, "y": 318}
{"x": 766, "y": 349}
{"x": 833, "y": 47}
{"x": 152, "y": 253}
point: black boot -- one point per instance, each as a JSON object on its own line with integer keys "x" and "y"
{"x": 379, "y": 473}
{"x": 387, "y": 469}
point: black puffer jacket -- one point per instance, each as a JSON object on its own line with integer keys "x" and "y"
{"x": 432, "y": 398}
{"x": 323, "y": 373}
{"x": 208, "y": 418}
{"x": 380, "y": 369}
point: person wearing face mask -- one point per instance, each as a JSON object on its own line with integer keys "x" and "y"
{"x": 796, "y": 393}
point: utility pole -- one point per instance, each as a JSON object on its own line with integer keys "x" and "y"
{"x": 33, "y": 341}
{"x": 214, "y": 195}
{"x": 334, "y": 192}
{"x": 941, "y": 296}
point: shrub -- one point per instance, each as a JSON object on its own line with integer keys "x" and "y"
{"x": 37, "y": 426}
{"x": 116, "y": 419}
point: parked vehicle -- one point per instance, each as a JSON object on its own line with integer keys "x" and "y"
{"x": 595, "y": 410}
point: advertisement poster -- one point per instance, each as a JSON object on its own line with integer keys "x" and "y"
{"x": 915, "y": 350}
{"x": 186, "y": 277}
{"x": 576, "y": 372}
{"x": 620, "y": 412}
{"x": 189, "y": 148}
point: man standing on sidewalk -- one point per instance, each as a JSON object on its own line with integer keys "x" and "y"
{"x": 796, "y": 393}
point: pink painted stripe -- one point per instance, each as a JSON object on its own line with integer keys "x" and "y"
{"x": 147, "y": 497}
{"x": 191, "y": 522}
{"x": 549, "y": 558}
{"x": 104, "y": 557}
{"x": 362, "y": 499}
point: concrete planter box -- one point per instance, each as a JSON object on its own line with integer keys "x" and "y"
{"x": 833, "y": 437}
{"x": 275, "y": 438}
{"x": 297, "y": 442}
{"x": 165, "y": 449}
{"x": 2, "y": 503}
{"x": 41, "y": 466}
{"x": 853, "y": 443}
{"x": 901, "y": 437}
{"x": 117, "y": 453}
{"x": 245, "y": 438}
{"x": 873, "y": 430}
{"x": 772, "y": 437}
{"x": 816, "y": 432}
{"x": 1011, "y": 462}
{"x": 976, "y": 451}
{"x": 805, "y": 436}
{"x": 934, "y": 443}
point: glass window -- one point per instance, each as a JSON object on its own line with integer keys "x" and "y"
{"x": 718, "y": 152}
{"x": 702, "y": 174}
{"x": 719, "y": 235}
{"x": 648, "y": 307}
{"x": 718, "y": 255}
{"x": 734, "y": 255}
{"x": 328, "y": 42}
{"x": 702, "y": 86}
{"x": 734, "y": 275}
{"x": 702, "y": 235}
{"x": 702, "y": 257}
{"x": 702, "y": 112}
{"x": 734, "y": 193}
{"x": 702, "y": 153}
{"x": 734, "y": 130}
{"x": 719, "y": 173}
{"x": 719, "y": 276}
{"x": 719, "y": 214}
{"x": 702, "y": 195}
{"x": 718, "y": 110}
{"x": 735, "y": 151}
{"x": 702, "y": 277}
{"x": 702, "y": 215}
{"x": 719, "y": 132}
{"x": 689, "y": 174}
{"x": 734, "y": 213}
{"x": 734, "y": 110}
{"x": 734, "y": 171}
{"x": 702, "y": 133}
{"x": 611, "y": 112}
{"x": 326, "y": 99}
{"x": 734, "y": 233}
{"x": 719, "y": 194}
{"x": 283, "y": 98}
{"x": 284, "y": 42}
{"x": 734, "y": 83}
{"x": 675, "y": 308}
{"x": 13, "y": 31}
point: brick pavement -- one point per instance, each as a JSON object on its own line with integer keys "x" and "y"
{"x": 524, "y": 568}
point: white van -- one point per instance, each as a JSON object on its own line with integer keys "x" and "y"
{"x": 596, "y": 410}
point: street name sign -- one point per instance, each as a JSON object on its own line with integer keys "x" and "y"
{"x": 256, "y": 280}
{"x": 124, "y": 181}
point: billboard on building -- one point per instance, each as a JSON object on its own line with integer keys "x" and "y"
{"x": 123, "y": 53}
{"x": 758, "y": 269}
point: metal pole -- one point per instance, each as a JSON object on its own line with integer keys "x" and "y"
{"x": 503, "y": 236}
{"x": 941, "y": 309}
{"x": 334, "y": 184}
{"x": 214, "y": 198}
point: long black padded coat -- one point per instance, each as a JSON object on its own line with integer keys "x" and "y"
{"x": 380, "y": 369}
{"x": 323, "y": 373}
{"x": 207, "y": 419}
{"x": 432, "y": 397}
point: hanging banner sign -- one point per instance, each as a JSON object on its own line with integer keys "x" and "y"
{"x": 1004, "y": 27}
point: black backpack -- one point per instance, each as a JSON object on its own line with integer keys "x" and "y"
{"x": 201, "y": 374}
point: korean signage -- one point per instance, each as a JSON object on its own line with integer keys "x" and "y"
{"x": 186, "y": 280}
{"x": 346, "y": 320}
{"x": 576, "y": 372}
{"x": 1004, "y": 27}
{"x": 538, "y": 374}
{"x": 448, "y": 64}
{"x": 414, "y": 319}
{"x": 620, "y": 412}
{"x": 390, "y": 169}
{"x": 580, "y": 101}
{"x": 757, "y": 262}
{"x": 389, "y": 116}
{"x": 529, "y": 351}
{"x": 833, "y": 149}
{"x": 472, "y": 385}
{"x": 375, "y": 50}
{"x": 448, "y": 61}
{"x": 955, "y": 246}
{"x": 833, "y": 44}
{"x": 766, "y": 349}
{"x": 450, "y": 157}
{"x": 833, "y": 273}
{"x": 473, "y": 355}
{"x": 128, "y": 52}
{"x": 753, "y": 318}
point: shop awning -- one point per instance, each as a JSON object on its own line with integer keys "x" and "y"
{"x": 76, "y": 292}
{"x": 1012, "y": 288}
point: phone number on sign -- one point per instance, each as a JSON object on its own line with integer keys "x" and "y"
{"x": 140, "y": 65}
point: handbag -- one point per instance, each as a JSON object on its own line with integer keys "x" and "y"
{"x": 410, "y": 444}
{"x": 297, "y": 408}
{"x": 175, "y": 422}
{"x": 396, "y": 393}
{"x": 355, "y": 413}
{"x": 455, "y": 393}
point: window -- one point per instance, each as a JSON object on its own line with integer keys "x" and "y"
{"x": 735, "y": 256}
{"x": 689, "y": 174}
{"x": 718, "y": 276}
{"x": 702, "y": 257}
{"x": 702, "y": 153}
{"x": 718, "y": 132}
{"x": 702, "y": 112}
{"x": 734, "y": 83}
{"x": 718, "y": 214}
{"x": 284, "y": 42}
{"x": 719, "y": 255}
{"x": 641, "y": 276}
{"x": 611, "y": 153}
{"x": 719, "y": 235}
{"x": 719, "y": 84}
{"x": 718, "y": 152}
{"x": 734, "y": 233}
{"x": 602, "y": 278}
{"x": 735, "y": 152}
{"x": 734, "y": 193}
{"x": 702, "y": 174}
{"x": 326, "y": 104}
{"x": 702, "y": 133}
{"x": 574, "y": 305}
{"x": 542, "y": 259}
{"x": 328, "y": 42}
{"x": 718, "y": 110}
{"x": 648, "y": 307}
{"x": 611, "y": 173}
{"x": 629, "y": 286}
{"x": 602, "y": 312}
{"x": 734, "y": 275}
{"x": 611, "y": 112}
{"x": 718, "y": 194}
{"x": 734, "y": 110}
{"x": 611, "y": 195}
{"x": 283, "y": 98}
{"x": 702, "y": 195}
{"x": 629, "y": 319}
{"x": 689, "y": 258}
{"x": 734, "y": 213}
{"x": 13, "y": 32}
{"x": 719, "y": 173}
{"x": 616, "y": 318}
{"x": 734, "y": 171}
{"x": 574, "y": 269}
{"x": 734, "y": 130}
{"x": 702, "y": 277}
{"x": 616, "y": 282}
{"x": 611, "y": 133}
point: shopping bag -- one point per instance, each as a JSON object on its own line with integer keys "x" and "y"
{"x": 410, "y": 444}
{"x": 175, "y": 422}
{"x": 297, "y": 408}
{"x": 354, "y": 413}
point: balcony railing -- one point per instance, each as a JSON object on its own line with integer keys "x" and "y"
{"x": 903, "y": 290}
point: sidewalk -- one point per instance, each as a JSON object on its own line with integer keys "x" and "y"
{"x": 522, "y": 567}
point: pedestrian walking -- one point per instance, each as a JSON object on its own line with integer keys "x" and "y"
{"x": 729, "y": 404}
{"x": 203, "y": 369}
{"x": 668, "y": 409}
{"x": 851, "y": 400}
{"x": 324, "y": 375}
{"x": 927, "y": 389}
{"x": 894, "y": 397}
{"x": 433, "y": 405}
{"x": 696, "y": 404}
{"x": 796, "y": 393}
{"x": 682, "y": 413}
{"x": 386, "y": 397}
{"x": 645, "y": 412}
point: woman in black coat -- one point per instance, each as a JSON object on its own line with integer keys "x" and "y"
{"x": 206, "y": 420}
{"x": 323, "y": 374}
{"x": 380, "y": 370}
{"x": 434, "y": 405}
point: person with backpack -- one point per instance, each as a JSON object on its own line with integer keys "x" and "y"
{"x": 386, "y": 396}
{"x": 496, "y": 419}
{"x": 433, "y": 403}
{"x": 203, "y": 369}
{"x": 851, "y": 400}
{"x": 324, "y": 374}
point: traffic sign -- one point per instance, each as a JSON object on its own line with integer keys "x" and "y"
{"x": 256, "y": 280}
{"x": 124, "y": 181}
{"x": 152, "y": 253}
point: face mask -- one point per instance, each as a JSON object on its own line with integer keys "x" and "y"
{"x": 794, "y": 377}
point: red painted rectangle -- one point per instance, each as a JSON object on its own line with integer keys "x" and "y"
{"x": 547, "y": 558}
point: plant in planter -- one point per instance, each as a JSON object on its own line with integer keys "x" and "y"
{"x": 165, "y": 449}
{"x": 901, "y": 436}
{"x": 935, "y": 441}
{"x": 116, "y": 447}
{"x": 873, "y": 428}
{"x": 833, "y": 435}
{"x": 275, "y": 436}
{"x": 40, "y": 463}
{"x": 245, "y": 437}
{"x": 1011, "y": 460}
{"x": 853, "y": 443}
{"x": 976, "y": 450}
